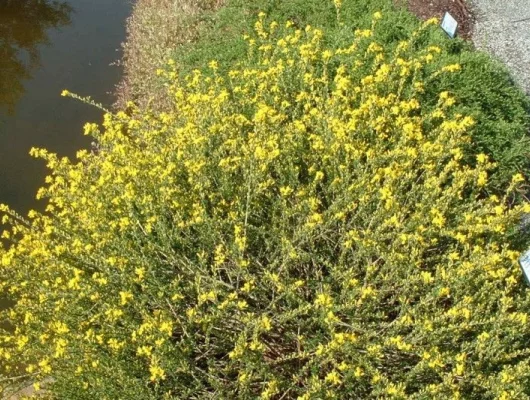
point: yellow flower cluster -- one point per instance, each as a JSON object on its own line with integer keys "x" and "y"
{"x": 287, "y": 230}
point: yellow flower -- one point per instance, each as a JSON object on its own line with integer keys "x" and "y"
{"x": 482, "y": 158}
{"x": 452, "y": 68}
{"x": 518, "y": 178}
{"x": 266, "y": 323}
{"x": 125, "y": 297}
{"x": 432, "y": 21}
{"x": 115, "y": 345}
{"x": 243, "y": 377}
{"x": 427, "y": 277}
{"x": 144, "y": 350}
{"x": 59, "y": 327}
{"x": 482, "y": 178}
{"x": 333, "y": 377}
{"x": 214, "y": 65}
{"x": 166, "y": 327}
{"x": 209, "y": 296}
{"x": 438, "y": 219}
{"x": 286, "y": 191}
{"x": 45, "y": 366}
{"x": 323, "y": 300}
{"x": 140, "y": 273}
{"x": 326, "y": 55}
{"x": 434, "y": 49}
{"x": 157, "y": 373}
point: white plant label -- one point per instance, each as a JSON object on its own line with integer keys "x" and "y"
{"x": 449, "y": 25}
{"x": 524, "y": 261}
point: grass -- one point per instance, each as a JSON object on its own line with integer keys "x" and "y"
{"x": 154, "y": 30}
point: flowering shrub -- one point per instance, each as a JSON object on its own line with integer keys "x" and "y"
{"x": 286, "y": 231}
{"x": 483, "y": 89}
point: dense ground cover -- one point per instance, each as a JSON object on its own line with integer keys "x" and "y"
{"x": 483, "y": 88}
{"x": 306, "y": 217}
{"x": 193, "y": 33}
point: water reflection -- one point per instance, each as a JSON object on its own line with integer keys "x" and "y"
{"x": 23, "y": 27}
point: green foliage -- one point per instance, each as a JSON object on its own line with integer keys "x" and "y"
{"x": 484, "y": 89}
{"x": 293, "y": 229}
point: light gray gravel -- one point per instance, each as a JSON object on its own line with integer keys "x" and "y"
{"x": 503, "y": 30}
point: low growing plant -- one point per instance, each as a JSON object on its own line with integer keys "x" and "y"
{"x": 483, "y": 89}
{"x": 278, "y": 234}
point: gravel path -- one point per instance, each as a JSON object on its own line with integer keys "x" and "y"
{"x": 503, "y": 30}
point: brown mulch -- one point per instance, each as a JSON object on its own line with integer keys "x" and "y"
{"x": 461, "y": 11}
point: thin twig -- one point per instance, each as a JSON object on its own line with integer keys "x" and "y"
{"x": 522, "y": 20}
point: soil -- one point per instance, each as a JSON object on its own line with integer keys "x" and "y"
{"x": 426, "y": 9}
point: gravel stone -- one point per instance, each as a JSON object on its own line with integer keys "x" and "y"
{"x": 503, "y": 29}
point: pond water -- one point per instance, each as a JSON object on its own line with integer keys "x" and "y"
{"x": 47, "y": 46}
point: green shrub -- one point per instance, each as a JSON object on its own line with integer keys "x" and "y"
{"x": 280, "y": 233}
{"x": 483, "y": 89}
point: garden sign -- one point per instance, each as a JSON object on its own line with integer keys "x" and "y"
{"x": 449, "y": 25}
{"x": 524, "y": 261}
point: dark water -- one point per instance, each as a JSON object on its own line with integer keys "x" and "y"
{"x": 47, "y": 46}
